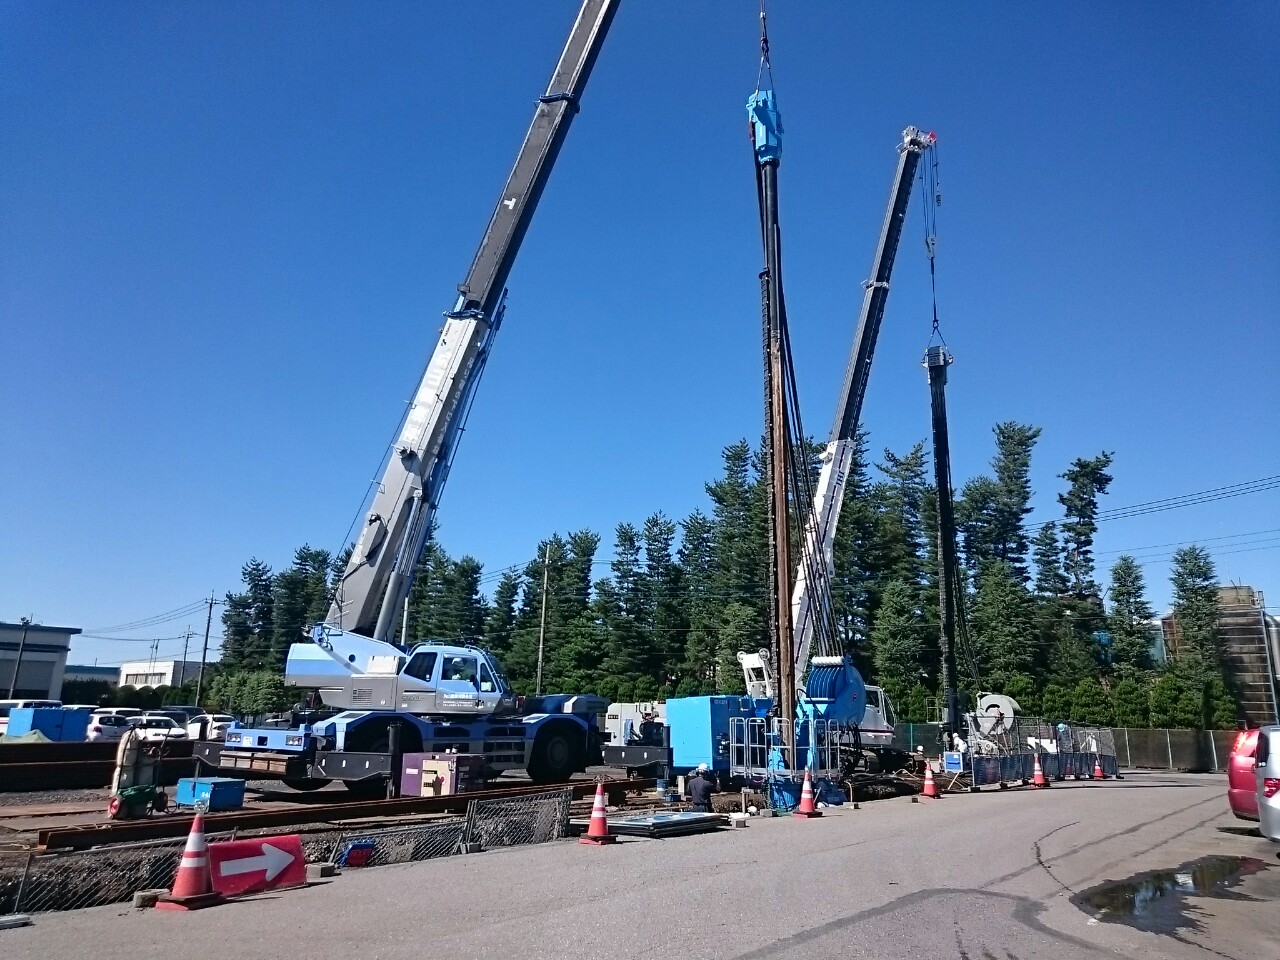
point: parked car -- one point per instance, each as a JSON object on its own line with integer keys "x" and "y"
{"x": 1266, "y": 773}
{"x": 121, "y": 711}
{"x": 108, "y": 726}
{"x": 1242, "y": 788}
{"x": 215, "y": 726}
{"x": 156, "y": 726}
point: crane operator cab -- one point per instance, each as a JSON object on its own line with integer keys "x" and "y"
{"x": 447, "y": 679}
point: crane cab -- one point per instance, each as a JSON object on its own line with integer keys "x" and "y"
{"x": 439, "y": 679}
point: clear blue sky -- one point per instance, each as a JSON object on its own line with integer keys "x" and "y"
{"x": 230, "y": 230}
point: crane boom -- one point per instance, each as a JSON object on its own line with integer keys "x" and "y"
{"x": 380, "y": 571}
{"x": 837, "y": 459}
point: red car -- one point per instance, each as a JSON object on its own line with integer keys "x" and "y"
{"x": 1242, "y": 788}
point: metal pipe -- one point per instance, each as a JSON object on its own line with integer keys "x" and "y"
{"x": 937, "y": 359}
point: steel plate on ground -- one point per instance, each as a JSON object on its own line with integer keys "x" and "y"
{"x": 659, "y": 825}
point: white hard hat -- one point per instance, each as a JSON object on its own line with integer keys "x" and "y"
{"x": 703, "y": 768}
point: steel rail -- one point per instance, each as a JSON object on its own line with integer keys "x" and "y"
{"x": 92, "y": 835}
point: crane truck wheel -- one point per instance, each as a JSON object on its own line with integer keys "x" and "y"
{"x": 555, "y": 755}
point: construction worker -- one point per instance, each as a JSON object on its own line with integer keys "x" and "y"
{"x": 701, "y": 786}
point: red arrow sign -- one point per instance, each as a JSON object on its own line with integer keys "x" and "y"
{"x": 251, "y": 866}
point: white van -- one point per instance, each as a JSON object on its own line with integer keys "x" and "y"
{"x": 1266, "y": 769}
{"x": 7, "y": 705}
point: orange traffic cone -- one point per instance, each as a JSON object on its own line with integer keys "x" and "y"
{"x": 807, "y": 808}
{"x": 598, "y": 829}
{"x": 1037, "y": 779}
{"x": 1098, "y": 773}
{"x": 193, "y": 884}
{"x": 930, "y": 788}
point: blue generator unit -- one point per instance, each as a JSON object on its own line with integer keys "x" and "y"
{"x": 700, "y": 729}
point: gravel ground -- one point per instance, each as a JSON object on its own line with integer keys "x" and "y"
{"x": 41, "y": 797}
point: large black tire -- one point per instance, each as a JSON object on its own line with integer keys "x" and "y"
{"x": 555, "y": 755}
{"x": 376, "y": 738}
{"x": 306, "y": 784}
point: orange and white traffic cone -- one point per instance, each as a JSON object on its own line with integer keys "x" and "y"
{"x": 1098, "y": 773}
{"x": 807, "y": 809}
{"x": 1037, "y": 778}
{"x": 930, "y": 788}
{"x": 193, "y": 884}
{"x": 598, "y": 829}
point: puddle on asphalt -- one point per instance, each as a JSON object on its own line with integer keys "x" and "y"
{"x": 1157, "y": 901}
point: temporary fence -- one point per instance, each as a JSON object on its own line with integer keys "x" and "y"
{"x": 74, "y": 880}
{"x": 1005, "y": 750}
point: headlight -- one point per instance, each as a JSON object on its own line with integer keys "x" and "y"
{"x": 233, "y": 738}
{"x": 293, "y": 741}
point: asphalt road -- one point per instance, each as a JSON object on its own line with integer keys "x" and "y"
{"x": 978, "y": 877}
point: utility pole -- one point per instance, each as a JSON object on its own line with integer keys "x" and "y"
{"x": 937, "y": 359}
{"x": 542, "y": 630}
{"x": 204, "y": 653}
{"x": 182, "y": 669}
{"x": 17, "y": 664}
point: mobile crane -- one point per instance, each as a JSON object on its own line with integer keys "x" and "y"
{"x": 827, "y": 685}
{"x": 434, "y": 697}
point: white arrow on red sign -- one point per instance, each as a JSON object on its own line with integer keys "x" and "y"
{"x": 251, "y": 866}
{"x": 272, "y": 859}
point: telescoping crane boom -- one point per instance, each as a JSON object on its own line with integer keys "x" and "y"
{"x": 380, "y": 571}
{"x": 450, "y": 698}
{"x": 808, "y": 604}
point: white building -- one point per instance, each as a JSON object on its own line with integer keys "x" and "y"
{"x": 33, "y": 658}
{"x": 158, "y": 673}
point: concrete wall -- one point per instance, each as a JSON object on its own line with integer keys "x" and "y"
{"x": 44, "y": 659}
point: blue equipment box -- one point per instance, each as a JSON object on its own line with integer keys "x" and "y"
{"x": 56, "y": 723}
{"x": 700, "y": 728}
{"x": 220, "y": 793}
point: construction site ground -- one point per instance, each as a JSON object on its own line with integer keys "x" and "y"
{"x": 990, "y": 875}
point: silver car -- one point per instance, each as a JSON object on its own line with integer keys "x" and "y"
{"x": 1266, "y": 771}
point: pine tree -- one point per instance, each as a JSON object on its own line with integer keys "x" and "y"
{"x": 1195, "y": 609}
{"x": 1091, "y": 704}
{"x": 1087, "y": 480}
{"x": 1056, "y": 703}
{"x": 502, "y": 613}
{"x": 1166, "y": 693}
{"x": 668, "y": 625}
{"x": 1012, "y": 466}
{"x": 978, "y": 522}
{"x": 697, "y": 565}
{"x": 1002, "y": 624}
{"x": 623, "y": 609}
{"x": 1130, "y": 618}
{"x": 1132, "y": 703}
{"x": 897, "y": 638}
{"x": 1050, "y": 580}
{"x": 739, "y": 632}
{"x": 900, "y": 498}
{"x": 858, "y": 561}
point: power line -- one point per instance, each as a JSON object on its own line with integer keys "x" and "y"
{"x": 155, "y": 620}
{"x": 1183, "y": 543}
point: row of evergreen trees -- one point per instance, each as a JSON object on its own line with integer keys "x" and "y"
{"x": 668, "y": 613}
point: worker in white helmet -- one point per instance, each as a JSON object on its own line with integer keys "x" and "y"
{"x": 701, "y": 786}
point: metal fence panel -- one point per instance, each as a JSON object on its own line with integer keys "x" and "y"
{"x": 518, "y": 820}
{"x": 405, "y": 844}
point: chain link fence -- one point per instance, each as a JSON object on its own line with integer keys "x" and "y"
{"x": 74, "y": 880}
{"x": 519, "y": 820}
{"x": 400, "y": 845}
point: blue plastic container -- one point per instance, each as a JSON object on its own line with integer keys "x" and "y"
{"x": 219, "y": 793}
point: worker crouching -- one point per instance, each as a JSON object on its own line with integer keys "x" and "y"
{"x": 702, "y": 784}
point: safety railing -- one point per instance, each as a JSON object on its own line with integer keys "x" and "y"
{"x": 759, "y": 748}
{"x": 1004, "y": 750}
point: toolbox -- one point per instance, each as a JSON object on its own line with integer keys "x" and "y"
{"x": 218, "y": 793}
